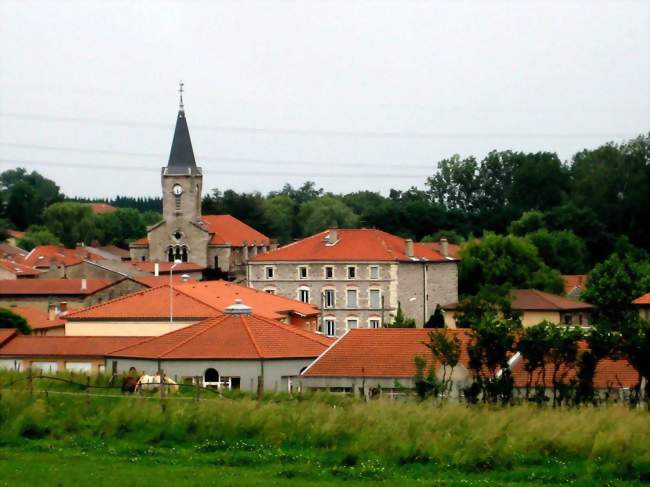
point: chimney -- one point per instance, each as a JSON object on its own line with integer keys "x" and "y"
{"x": 253, "y": 250}
{"x": 273, "y": 246}
{"x": 156, "y": 269}
{"x": 51, "y": 311}
{"x": 244, "y": 252}
{"x": 333, "y": 235}
{"x": 63, "y": 307}
{"x": 238, "y": 308}
{"x": 409, "y": 247}
{"x": 84, "y": 284}
{"x": 444, "y": 247}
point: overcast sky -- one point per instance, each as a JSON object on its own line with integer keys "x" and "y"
{"x": 351, "y": 94}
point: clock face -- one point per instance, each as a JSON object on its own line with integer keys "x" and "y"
{"x": 177, "y": 189}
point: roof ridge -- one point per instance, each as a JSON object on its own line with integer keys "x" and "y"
{"x": 300, "y": 332}
{"x": 209, "y": 326}
{"x": 325, "y": 351}
{"x": 115, "y": 300}
{"x": 250, "y": 334}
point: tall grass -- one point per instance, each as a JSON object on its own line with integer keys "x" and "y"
{"x": 474, "y": 437}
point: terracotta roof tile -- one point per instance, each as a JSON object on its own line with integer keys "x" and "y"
{"x": 645, "y": 299}
{"x": 37, "y": 319}
{"x": 29, "y": 345}
{"x": 574, "y": 281}
{"x": 18, "y": 269}
{"x": 16, "y": 253}
{"x": 7, "y": 334}
{"x": 155, "y": 281}
{"x": 353, "y": 245}
{"x": 51, "y": 286}
{"x": 41, "y": 256}
{"x": 230, "y": 230}
{"x": 147, "y": 304}
{"x": 230, "y": 337}
{"x": 534, "y": 300}
{"x": 382, "y": 352}
{"x": 149, "y": 266}
{"x": 101, "y": 208}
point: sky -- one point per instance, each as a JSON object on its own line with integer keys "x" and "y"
{"x": 352, "y": 94}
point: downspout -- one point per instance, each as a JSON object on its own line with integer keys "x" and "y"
{"x": 260, "y": 387}
{"x": 425, "y": 290}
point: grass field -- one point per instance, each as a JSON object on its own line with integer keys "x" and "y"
{"x": 63, "y": 439}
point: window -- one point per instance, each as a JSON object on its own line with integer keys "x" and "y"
{"x": 567, "y": 319}
{"x": 374, "y": 323}
{"x": 303, "y": 294}
{"x": 329, "y": 298}
{"x": 352, "y": 323}
{"x": 352, "y": 272}
{"x": 351, "y": 295}
{"x": 269, "y": 290}
{"x": 269, "y": 272}
{"x": 374, "y": 298}
{"x": 330, "y": 327}
{"x": 329, "y": 272}
{"x": 374, "y": 272}
{"x": 302, "y": 272}
{"x": 83, "y": 367}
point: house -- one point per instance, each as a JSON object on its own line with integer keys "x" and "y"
{"x": 53, "y": 260}
{"x": 643, "y": 303}
{"x": 536, "y": 306}
{"x": 613, "y": 378}
{"x": 41, "y": 323}
{"x": 191, "y": 269}
{"x": 237, "y": 350}
{"x": 110, "y": 252}
{"x": 62, "y": 293}
{"x": 13, "y": 270}
{"x": 52, "y": 354}
{"x": 367, "y": 362}
{"x": 11, "y": 252}
{"x": 359, "y": 277}
{"x": 218, "y": 242}
{"x": 101, "y": 208}
{"x": 574, "y": 285}
{"x": 147, "y": 313}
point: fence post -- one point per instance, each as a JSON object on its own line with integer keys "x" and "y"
{"x": 87, "y": 390}
{"x": 162, "y": 390}
{"x": 197, "y": 388}
{"x": 30, "y": 386}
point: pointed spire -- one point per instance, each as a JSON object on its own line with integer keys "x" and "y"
{"x": 181, "y": 156}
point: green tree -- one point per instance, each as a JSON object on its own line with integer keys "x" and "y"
{"x": 562, "y": 355}
{"x": 529, "y": 222}
{"x": 280, "y": 214}
{"x": 151, "y": 218}
{"x": 326, "y": 212}
{"x": 9, "y": 319}
{"x": 37, "y": 235}
{"x": 72, "y": 223}
{"x": 445, "y": 350}
{"x": 508, "y": 261}
{"x": 27, "y": 195}
{"x": 563, "y": 251}
{"x": 401, "y": 320}
{"x": 452, "y": 237}
{"x": 533, "y": 345}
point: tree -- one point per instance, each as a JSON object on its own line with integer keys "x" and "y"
{"x": 445, "y": 350}
{"x": 37, "y": 235}
{"x": 27, "y": 195}
{"x": 326, "y": 212}
{"x": 563, "y": 251}
{"x": 401, "y": 321}
{"x": 508, "y": 261}
{"x": 636, "y": 348}
{"x": 539, "y": 182}
{"x": 437, "y": 319}
{"x": 529, "y": 222}
{"x": 456, "y": 184}
{"x": 562, "y": 355}
{"x": 613, "y": 285}
{"x": 452, "y": 237}
{"x": 151, "y": 218}
{"x": 280, "y": 214}
{"x": 9, "y": 319}
{"x": 72, "y": 223}
{"x": 533, "y": 345}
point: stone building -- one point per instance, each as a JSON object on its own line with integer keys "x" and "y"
{"x": 219, "y": 242}
{"x": 358, "y": 277}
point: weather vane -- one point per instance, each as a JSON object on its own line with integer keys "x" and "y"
{"x": 180, "y": 90}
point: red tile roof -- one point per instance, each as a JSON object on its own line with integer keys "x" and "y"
{"x": 7, "y": 334}
{"x": 353, "y": 245}
{"x": 534, "y": 300}
{"x": 50, "y": 346}
{"x": 149, "y": 266}
{"x": 141, "y": 241}
{"x": 193, "y": 300}
{"x": 643, "y": 300}
{"x": 155, "y": 281}
{"x": 574, "y": 281}
{"x": 42, "y": 255}
{"x": 51, "y": 286}
{"x": 37, "y": 319}
{"x": 227, "y": 229}
{"x": 230, "y": 337}
{"x": 609, "y": 374}
{"x": 150, "y": 304}
{"x": 17, "y": 234}
{"x": 7, "y": 250}
{"x": 221, "y": 294}
{"x": 101, "y": 208}
{"x": 18, "y": 269}
{"x": 382, "y": 352}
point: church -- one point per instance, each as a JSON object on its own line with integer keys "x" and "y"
{"x": 219, "y": 242}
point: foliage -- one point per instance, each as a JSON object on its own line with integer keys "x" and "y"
{"x": 533, "y": 345}
{"x": 488, "y": 301}
{"x": 562, "y": 355}
{"x": 531, "y": 221}
{"x": 452, "y": 237}
{"x": 437, "y": 319}
{"x": 9, "y": 319}
{"x": 563, "y": 251}
{"x": 72, "y": 223}
{"x": 280, "y": 214}
{"x": 509, "y": 261}
{"x": 326, "y": 212}
{"x": 401, "y": 320}
{"x": 37, "y": 235}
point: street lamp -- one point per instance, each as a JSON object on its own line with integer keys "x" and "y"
{"x": 171, "y": 294}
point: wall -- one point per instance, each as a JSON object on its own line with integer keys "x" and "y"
{"x": 286, "y": 282}
{"x": 139, "y": 253}
{"x": 248, "y": 370}
{"x": 116, "y": 290}
{"x": 530, "y": 318}
{"x": 123, "y": 328}
{"x": 5, "y": 274}
{"x": 193, "y": 237}
{"x": 41, "y": 302}
{"x": 90, "y": 271}
{"x": 25, "y": 363}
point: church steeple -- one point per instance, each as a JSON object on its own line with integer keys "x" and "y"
{"x": 181, "y": 156}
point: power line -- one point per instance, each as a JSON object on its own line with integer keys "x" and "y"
{"x": 319, "y": 133}
{"x": 135, "y": 168}
{"x": 237, "y": 160}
